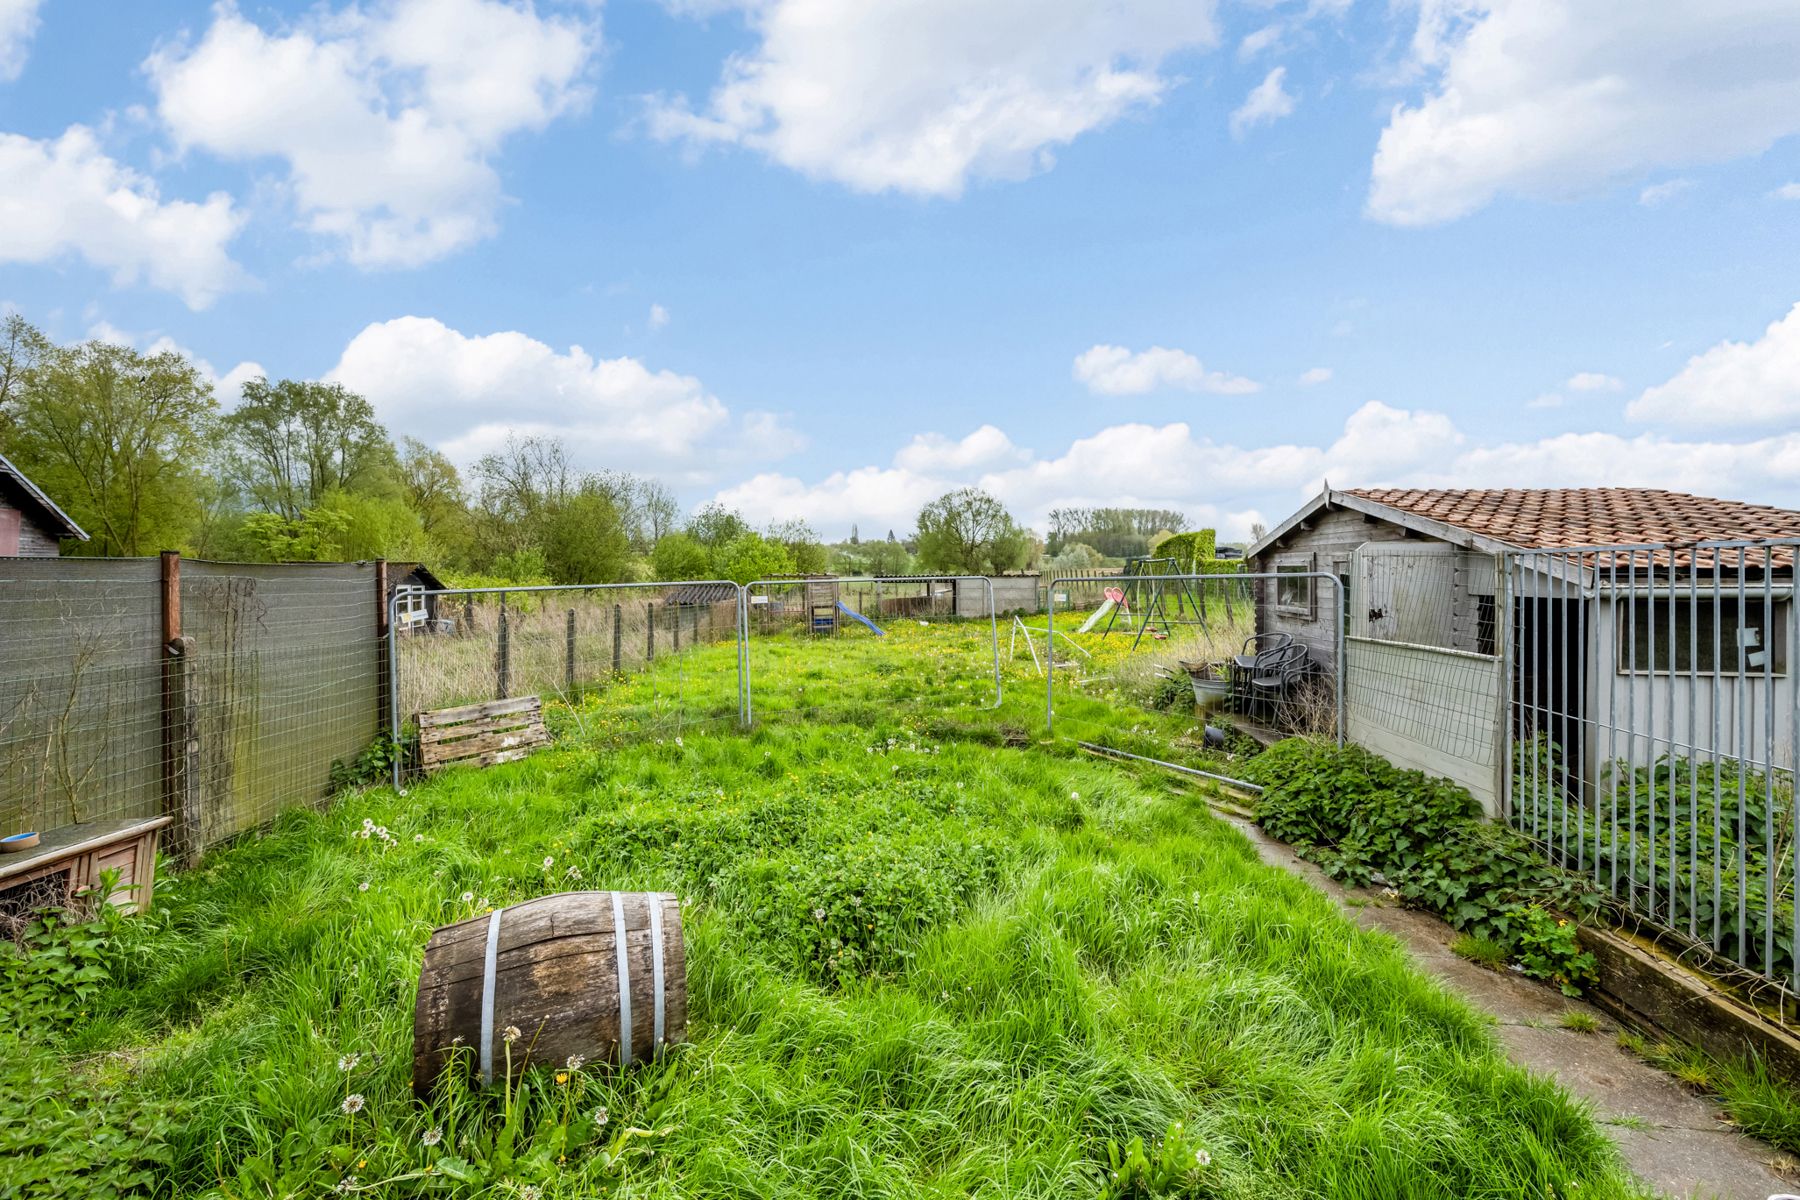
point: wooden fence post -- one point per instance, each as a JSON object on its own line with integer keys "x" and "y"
{"x": 503, "y": 654}
{"x": 569, "y": 658}
{"x": 180, "y": 712}
{"x": 649, "y": 632}
{"x": 468, "y": 616}
{"x": 678, "y": 630}
{"x": 618, "y": 638}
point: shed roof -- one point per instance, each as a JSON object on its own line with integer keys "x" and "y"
{"x": 28, "y": 497}
{"x": 1493, "y": 519}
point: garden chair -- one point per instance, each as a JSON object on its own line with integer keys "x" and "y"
{"x": 1274, "y": 675}
{"x": 1243, "y": 665}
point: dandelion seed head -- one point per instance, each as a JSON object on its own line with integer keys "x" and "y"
{"x": 353, "y": 1103}
{"x": 511, "y": 1033}
{"x": 347, "y": 1062}
{"x": 432, "y": 1136}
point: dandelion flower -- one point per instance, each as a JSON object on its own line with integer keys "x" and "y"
{"x": 417, "y": 838}
{"x": 353, "y": 1103}
{"x": 432, "y": 1136}
{"x": 818, "y": 914}
{"x": 346, "y": 1185}
{"x": 548, "y": 862}
{"x": 576, "y": 1062}
{"x": 347, "y": 1062}
{"x": 363, "y": 886}
{"x": 600, "y": 1117}
{"x": 1202, "y": 1158}
{"x": 510, "y": 1033}
{"x": 531, "y": 1191}
{"x": 467, "y": 896}
{"x": 368, "y": 823}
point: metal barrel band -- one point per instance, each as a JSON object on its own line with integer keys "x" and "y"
{"x": 656, "y": 970}
{"x": 489, "y": 958}
{"x": 623, "y": 952}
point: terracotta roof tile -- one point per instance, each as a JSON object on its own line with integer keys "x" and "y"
{"x": 1550, "y": 518}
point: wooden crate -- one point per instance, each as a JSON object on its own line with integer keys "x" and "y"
{"x": 481, "y": 734}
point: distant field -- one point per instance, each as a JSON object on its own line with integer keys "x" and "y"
{"x": 929, "y": 956}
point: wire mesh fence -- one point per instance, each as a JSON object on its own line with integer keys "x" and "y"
{"x": 1423, "y": 675}
{"x": 628, "y": 660}
{"x": 219, "y": 694}
{"x": 1190, "y": 643}
{"x": 1654, "y": 732}
{"x": 866, "y": 649}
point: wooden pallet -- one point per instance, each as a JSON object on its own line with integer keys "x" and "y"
{"x": 481, "y": 734}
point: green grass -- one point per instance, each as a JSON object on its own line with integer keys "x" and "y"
{"x": 1482, "y": 951}
{"x": 1576, "y": 1020}
{"x": 927, "y": 957}
{"x": 1756, "y": 1102}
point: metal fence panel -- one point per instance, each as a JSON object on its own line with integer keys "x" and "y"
{"x": 1654, "y": 729}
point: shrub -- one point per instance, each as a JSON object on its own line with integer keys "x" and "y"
{"x": 1364, "y": 819}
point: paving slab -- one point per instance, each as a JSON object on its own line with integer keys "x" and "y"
{"x": 1676, "y": 1141}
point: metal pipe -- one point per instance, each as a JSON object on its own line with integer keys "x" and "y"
{"x": 1111, "y": 752}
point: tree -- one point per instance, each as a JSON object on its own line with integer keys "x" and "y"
{"x": 118, "y": 437}
{"x": 714, "y": 525}
{"x": 969, "y": 532}
{"x": 584, "y": 539}
{"x": 658, "y": 509}
{"x": 292, "y": 442}
{"x": 854, "y": 540}
{"x": 432, "y": 488}
{"x": 803, "y": 546}
{"x": 1077, "y": 558}
{"x": 678, "y": 556}
{"x": 750, "y": 556}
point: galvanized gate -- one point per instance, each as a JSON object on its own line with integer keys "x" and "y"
{"x": 1653, "y": 736}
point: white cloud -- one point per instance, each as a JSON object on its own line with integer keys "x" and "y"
{"x": 1734, "y": 383}
{"x": 1658, "y": 194}
{"x": 1788, "y": 191}
{"x": 467, "y": 394}
{"x": 1555, "y": 97}
{"x": 18, "y": 22}
{"x": 1231, "y": 486}
{"x": 1116, "y": 371}
{"x": 1546, "y": 400}
{"x": 1256, "y": 41}
{"x": 659, "y": 316}
{"x": 921, "y": 96}
{"x": 1594, "y": 381}
{"x": 387, "y": 119}
{"x": 1315, "y": 376}
{"x": 1267, "y": 103}
{"x": 66, "y": 196}
{"x": 986, "y": 448}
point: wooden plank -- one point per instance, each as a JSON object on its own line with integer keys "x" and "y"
{"x": 445, "y": 734}
{"x": 471, "y": 712}
{"x": 487, "y": 751}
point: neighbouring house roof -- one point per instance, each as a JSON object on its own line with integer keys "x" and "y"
{"x": 400, "y": 572}
{"x": 1496, "y": 519}
{"x": 27, "y": 497}
{"x": 701, "y": 593}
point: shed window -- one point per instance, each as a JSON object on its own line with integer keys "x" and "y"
{"x": 1486, "y": 630}
{"x": 1743, "y": 637}
{"x": 409, "y": 604}
{"x": 1294, "y": 586}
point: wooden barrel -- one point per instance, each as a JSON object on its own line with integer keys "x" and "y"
{"x": 602, "y": 975}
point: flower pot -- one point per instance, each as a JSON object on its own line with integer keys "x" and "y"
{"x": 18, "y": 843}
{"x": 1211, "y": 681}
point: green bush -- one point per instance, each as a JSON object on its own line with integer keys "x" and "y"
{"x": 1364, "y": 820}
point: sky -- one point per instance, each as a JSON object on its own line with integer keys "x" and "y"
{"x": 827, "y": 259}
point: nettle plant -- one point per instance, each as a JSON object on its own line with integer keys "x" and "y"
{"x": 1364, "y": 820}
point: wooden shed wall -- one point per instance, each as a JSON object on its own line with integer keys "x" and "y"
{"x": 1332, "y": 537}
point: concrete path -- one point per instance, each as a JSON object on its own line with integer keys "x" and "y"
{"x": 1674, "y": 1140}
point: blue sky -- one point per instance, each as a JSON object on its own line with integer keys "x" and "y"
{"x": 828, "y": 260}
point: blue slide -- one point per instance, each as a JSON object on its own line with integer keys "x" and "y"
{"x": 856, "y": 616}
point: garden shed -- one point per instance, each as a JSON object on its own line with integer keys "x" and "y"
{"x": 1611, "y": 623}
{"x": 414, "y": 587}
{"x": 31, "y": 525}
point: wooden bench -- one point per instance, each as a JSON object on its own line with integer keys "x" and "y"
{"x": 69, "y": 861}
{"x": 481, "y": 734}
